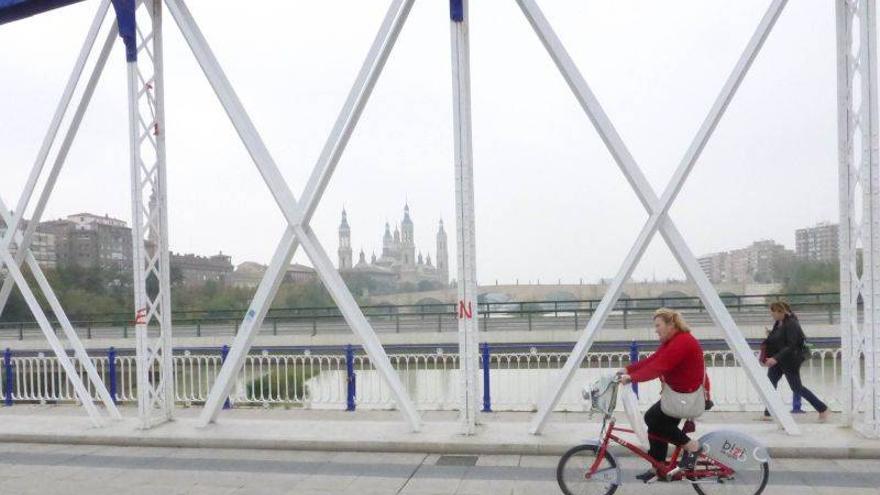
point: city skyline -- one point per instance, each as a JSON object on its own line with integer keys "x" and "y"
{"x": 817, "y": 242}
{"x": 542, "y": 175}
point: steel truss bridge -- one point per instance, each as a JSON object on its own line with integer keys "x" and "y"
{"x": 140, "y": 24}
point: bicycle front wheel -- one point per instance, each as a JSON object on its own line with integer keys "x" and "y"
{"x": 745, "y": 481}
{"x": 573, "y": 472}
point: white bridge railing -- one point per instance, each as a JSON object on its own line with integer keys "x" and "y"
{"x": 516, "y": 380}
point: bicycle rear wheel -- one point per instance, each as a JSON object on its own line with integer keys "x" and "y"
{"x": 572, "y": 473}
{"x": 748, "y": 480}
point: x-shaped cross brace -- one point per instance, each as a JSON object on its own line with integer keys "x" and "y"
{"x": 658, "y": 209}
{"x": 24, "y": 254}
{"x": 299, "y": 213}
{"x": 66, "y": 143}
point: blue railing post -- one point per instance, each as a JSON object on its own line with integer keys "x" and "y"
{"x": 7, "y": 385}
{"x": 111, "y": 370}
{"x": 634, "y": 358}
{"x": 351, "y": 379}
{"x": 224, "y": 351}
{"x": 796, "y": 404}
{"x": 487, "y": 392}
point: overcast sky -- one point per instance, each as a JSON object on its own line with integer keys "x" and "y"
{"x": 551, "y": 203}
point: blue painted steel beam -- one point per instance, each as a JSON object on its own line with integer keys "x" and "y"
{"x": 456, "y": 10}
{"x": 13, "y": 10}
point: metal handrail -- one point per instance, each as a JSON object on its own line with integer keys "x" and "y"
{"x": 646, "y": 305}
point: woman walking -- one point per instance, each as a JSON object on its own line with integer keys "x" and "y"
{"x": 678, "y": 362}
{"x": 785, "y": 351}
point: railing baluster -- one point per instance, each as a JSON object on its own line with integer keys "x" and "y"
{"x": 8, "y": 381}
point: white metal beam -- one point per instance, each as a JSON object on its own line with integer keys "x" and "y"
{"x": 468, "y": 317}
{"x": 298, "y": 214}
{"x": 848, "y": 225}
{"x": 859, "y": 181}
{"x": 658, "y": 209}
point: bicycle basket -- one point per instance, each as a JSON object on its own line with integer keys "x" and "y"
{"x": 602, "y": 395}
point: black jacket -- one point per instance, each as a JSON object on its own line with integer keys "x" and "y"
{"x": 786, "y": 343}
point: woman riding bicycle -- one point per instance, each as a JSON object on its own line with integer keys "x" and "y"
{"x": 679, "y": 364}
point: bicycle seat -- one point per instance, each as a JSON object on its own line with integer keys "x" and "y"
{"x": 689, "y": 427}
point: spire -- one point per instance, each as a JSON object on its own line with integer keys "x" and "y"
{"x": 373, "y": 260}
{"x": 406, "y": 218}
{"x": 362, "y": 258}
{"x": 344, "y": 250}
{"x": 428, "y": 260}
{"x": 344, "y": 223}
{"x": 421, "y": 260}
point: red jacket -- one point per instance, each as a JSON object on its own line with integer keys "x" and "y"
{"x": 678, "y": 362}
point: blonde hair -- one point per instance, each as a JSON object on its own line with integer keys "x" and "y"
{"x": 672, "y": 317}
{"x": 782, "y": 307}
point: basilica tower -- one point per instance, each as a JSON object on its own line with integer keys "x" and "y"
{"x": 407, "y": 239}
{"x": 344, "y": 243}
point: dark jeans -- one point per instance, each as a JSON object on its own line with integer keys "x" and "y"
{"x": 793, "y": 375}
{"x": 664, "y": 426}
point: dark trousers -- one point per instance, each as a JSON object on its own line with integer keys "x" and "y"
{"x": 664, "y": 426}
{"x": 793, "y": 375}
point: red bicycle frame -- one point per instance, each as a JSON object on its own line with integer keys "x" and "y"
{"x": 711, "y": 467}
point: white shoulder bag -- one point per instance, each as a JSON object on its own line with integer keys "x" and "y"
{"x": 684, "y": 405}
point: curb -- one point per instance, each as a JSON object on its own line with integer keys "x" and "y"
{"x": 437, "y": 447}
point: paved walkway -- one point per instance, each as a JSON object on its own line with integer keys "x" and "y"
{"x": 384, "y": 431}
{"x": 27, "y": 469}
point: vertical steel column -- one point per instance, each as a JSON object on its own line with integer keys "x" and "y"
{"x": 859, "y": 173}
{"x": 464, "y": 209}
{"x": 152, "y": 286}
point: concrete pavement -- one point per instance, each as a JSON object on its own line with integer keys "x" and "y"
{"x": 27, "y": 469}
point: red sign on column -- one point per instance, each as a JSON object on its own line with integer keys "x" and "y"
{"x": 465, "y": 311}
{"x": 140, "y": 318}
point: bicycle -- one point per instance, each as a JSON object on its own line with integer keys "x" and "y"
{"x": 731, "y": 462}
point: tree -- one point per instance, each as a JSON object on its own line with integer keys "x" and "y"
{"x": 303, "y": 295}
{"x": 799, "y": 276}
